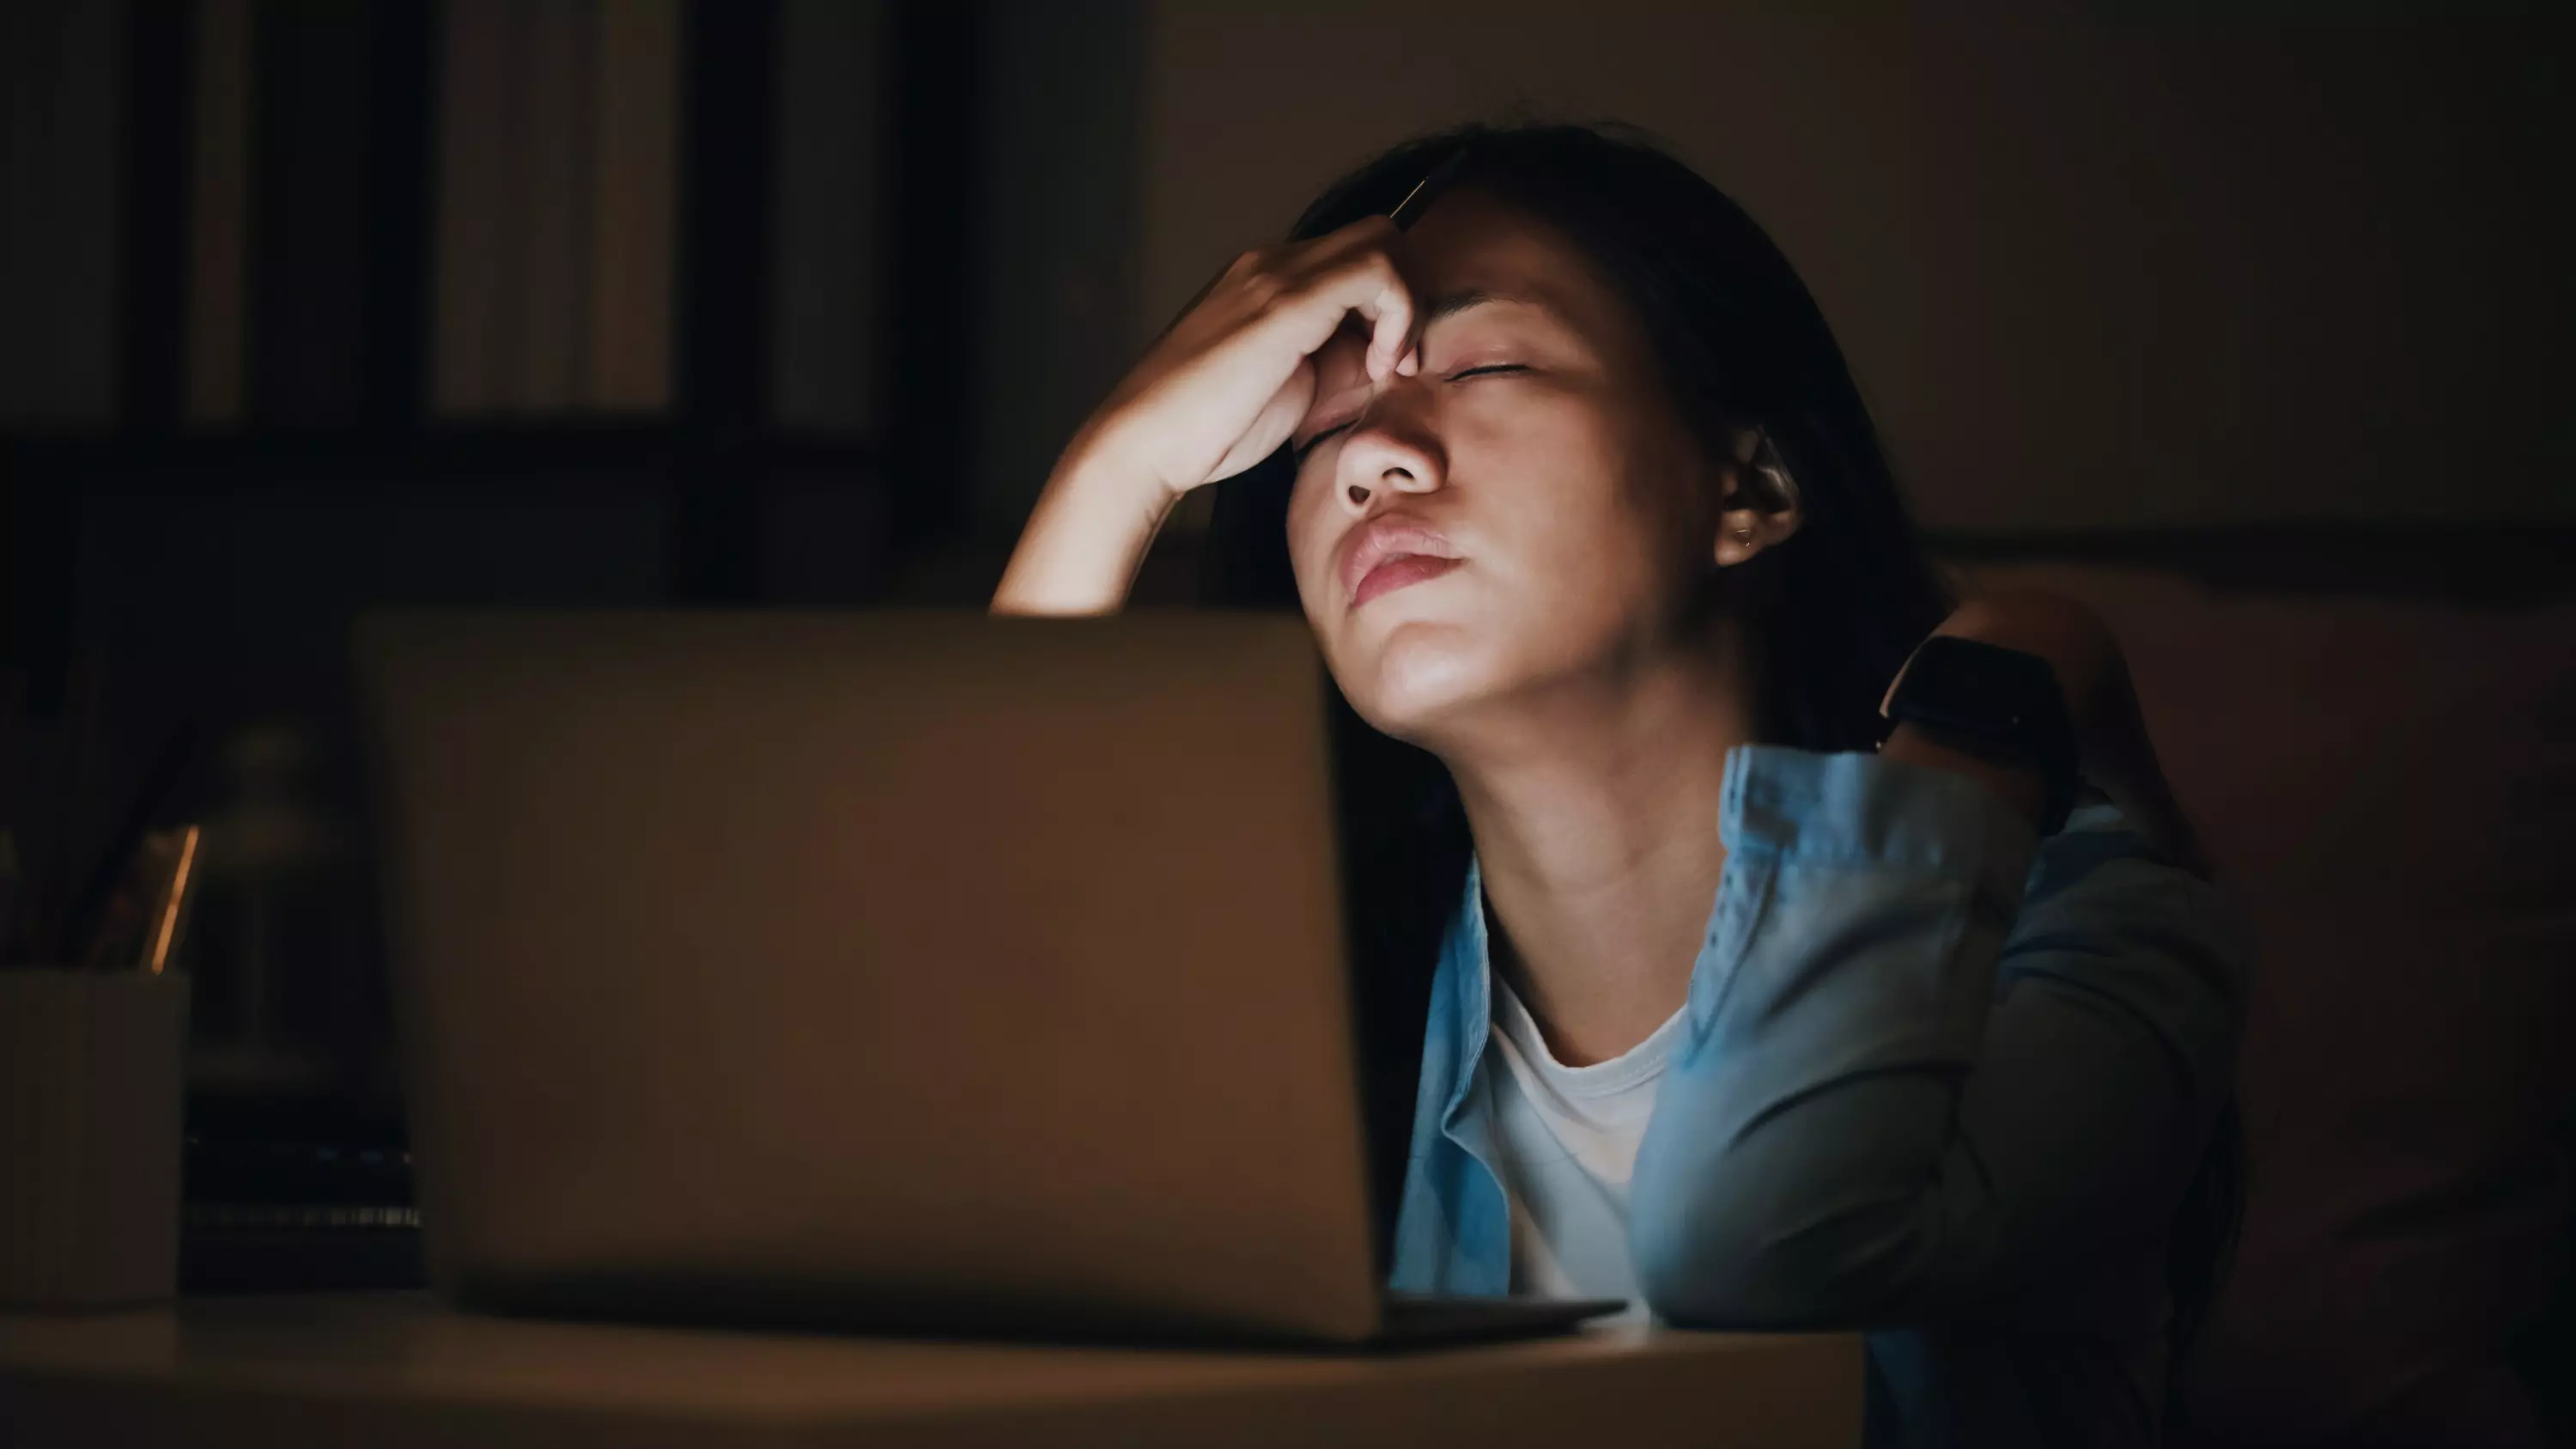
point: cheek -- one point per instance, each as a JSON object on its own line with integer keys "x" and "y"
{"x": 1311, "y": 531}
{"x": 1587, "y": 504}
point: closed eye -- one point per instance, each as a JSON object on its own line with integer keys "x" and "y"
{"x": 1302, "y": 449}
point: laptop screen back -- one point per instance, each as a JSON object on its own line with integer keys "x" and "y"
{"x": 915, "y": 969}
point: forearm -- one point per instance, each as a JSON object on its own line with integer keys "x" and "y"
{"x": 1083, "y": 543}
{"x": 1914, "y": 1090}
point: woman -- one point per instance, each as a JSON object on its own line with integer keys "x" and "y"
{"x": 1592, "y": 528}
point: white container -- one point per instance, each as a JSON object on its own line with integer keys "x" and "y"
{"x": 90, "y": 1092}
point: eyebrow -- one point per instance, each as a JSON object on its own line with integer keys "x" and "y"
{"x": 1457, "y": 302}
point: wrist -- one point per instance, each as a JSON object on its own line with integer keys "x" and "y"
{"x": 1098, "y": 469}
{"x": 1989, "y": 710}
{"x": 2070, "y": 638}
{"x": 2018, "y": 786}
{"x": 1084, "y": 541}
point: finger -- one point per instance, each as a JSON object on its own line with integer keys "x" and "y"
{"x": 1365, "y": 285}
{"x": 1242, "y": 266}
{"x": 1355, "y": 256}
{"x": 1391, "y": 328}
{"x": 1368, "y": 234}
{"x": 1369, "y": 285}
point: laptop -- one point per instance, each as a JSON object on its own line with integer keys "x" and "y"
{"x": 898, "y": 971}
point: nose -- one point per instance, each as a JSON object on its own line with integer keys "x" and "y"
{"x": 1388, "y": 453}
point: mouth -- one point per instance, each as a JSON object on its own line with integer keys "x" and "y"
{"x": 1389, "y": 554}
{"x": 1399, "y": 571}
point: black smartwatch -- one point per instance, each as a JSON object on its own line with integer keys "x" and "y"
{"x": 1998, "y": 704}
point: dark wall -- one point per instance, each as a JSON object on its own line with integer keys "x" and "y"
{"x": 2095, "y": 265}
{"x": 306, "y": 307}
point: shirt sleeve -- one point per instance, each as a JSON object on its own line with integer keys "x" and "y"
{"x": 1921, "y": 1074}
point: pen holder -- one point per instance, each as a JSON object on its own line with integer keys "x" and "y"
{"x": 90, "y": 1072}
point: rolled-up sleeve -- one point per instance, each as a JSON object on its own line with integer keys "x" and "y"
{"x": 1930, "y": 1063}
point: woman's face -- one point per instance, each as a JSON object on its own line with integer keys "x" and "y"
{"x": 1527, "y": 509}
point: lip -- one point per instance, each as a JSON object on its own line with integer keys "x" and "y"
{"x": 1387, "y": 554}
{"x": 1400, "y": 571}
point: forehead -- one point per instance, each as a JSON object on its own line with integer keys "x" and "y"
{"x": 1468, "y": 241}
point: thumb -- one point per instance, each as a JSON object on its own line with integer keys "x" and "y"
{"x": 1273, "y": 425}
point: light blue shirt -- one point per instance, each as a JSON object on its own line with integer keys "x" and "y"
{"x": 1940, "y": 1080}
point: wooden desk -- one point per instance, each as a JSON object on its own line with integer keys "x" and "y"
{"x": 396, "y": 1371}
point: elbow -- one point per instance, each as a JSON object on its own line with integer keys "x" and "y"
{"x": 1747, "y": 1264}
{"x": 1689, "y": 1288}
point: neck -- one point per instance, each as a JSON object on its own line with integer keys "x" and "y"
{"x": 1594, "y": 808}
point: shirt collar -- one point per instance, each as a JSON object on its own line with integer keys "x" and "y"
{"x": 1469, "y": 967}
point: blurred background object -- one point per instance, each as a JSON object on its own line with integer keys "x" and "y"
{"x": 89, "y": 1134}
{"x": 310, "y": 305}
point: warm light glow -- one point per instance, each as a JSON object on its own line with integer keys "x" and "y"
{"x": 178, "y": 893}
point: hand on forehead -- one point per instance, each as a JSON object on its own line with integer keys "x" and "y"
{"x": 1485, "y": 281}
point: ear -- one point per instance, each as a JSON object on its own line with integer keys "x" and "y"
{"x": 1757, "y": 500}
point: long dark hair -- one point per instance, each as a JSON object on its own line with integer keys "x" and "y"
{"x": 1839, "y": 605}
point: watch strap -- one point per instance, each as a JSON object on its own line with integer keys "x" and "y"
{"x": 1998, "y": 704}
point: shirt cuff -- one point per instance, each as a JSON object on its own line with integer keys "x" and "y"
{"x": 1866, "y": 812}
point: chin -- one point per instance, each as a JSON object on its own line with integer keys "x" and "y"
{"x": 1406, "y": 681}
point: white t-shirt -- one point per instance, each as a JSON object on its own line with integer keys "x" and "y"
{"x": 1567, "y": 1142}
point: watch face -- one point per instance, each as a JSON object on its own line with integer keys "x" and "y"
{"x": 1995, "y": 702}
{"x": 1962, "y": 683}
